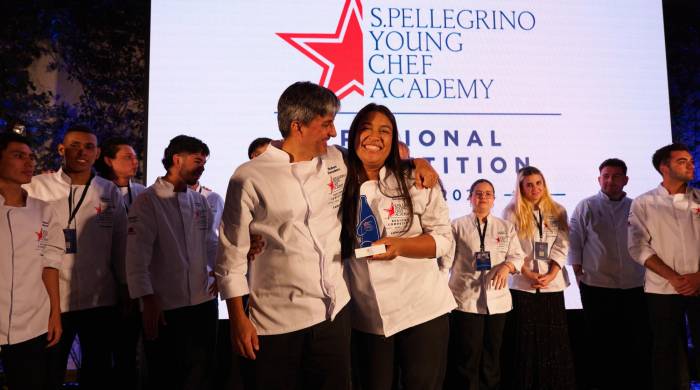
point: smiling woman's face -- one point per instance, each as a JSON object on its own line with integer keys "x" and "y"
{"x": 532, "y": 188}
{"x": 373, "y": 142}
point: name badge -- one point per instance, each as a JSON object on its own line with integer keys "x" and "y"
{"x": 541, "y": 251}
{"x": 483, "y": 261}
{"x": 71, "y": 237}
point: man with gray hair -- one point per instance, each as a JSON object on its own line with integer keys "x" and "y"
{"x": 298, "y": 328}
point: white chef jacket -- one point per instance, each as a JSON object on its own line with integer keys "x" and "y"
{"x": 87, "y": 278}
{"x": 136, "y": 189}
{"x": 216, "y": 204}
{"x": 297, "y": 281}
{"x": 667, "y": 226}
{"x": 558, "y": 244}
{"x": 472, "y": 289}
{"x": 31, "y": 239}
{"x": 171, "y": 246}
{"x": 598, "y": 242}
{"x": 390, "y": 296}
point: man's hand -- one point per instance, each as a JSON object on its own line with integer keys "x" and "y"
{"x": 152, "y": 317}
{"x": 54, "y": 330}
{"x": 256, "y": 246}
{"x": 682, "y": 285}
{"x": 694, "y": 282}
{"x": 244, "y": 337}
{"x": 50, "y": 278}
{"x": 426, "y": 176}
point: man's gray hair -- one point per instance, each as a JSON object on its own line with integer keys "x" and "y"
{"x": 303, "y": 101}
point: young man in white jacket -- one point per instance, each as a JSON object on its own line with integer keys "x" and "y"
{"x": 664, "y": 236}
{"x": 170, "y": 254}
{"x": 93, "y": 218}
{"x": 30, "y": 251}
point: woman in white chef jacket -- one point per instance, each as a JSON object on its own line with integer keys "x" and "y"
{"x": 541, "y": 355}
{"x": 400, "y": 298}
{"x": 487, "y": 252}
{"x": 118, "y": 163}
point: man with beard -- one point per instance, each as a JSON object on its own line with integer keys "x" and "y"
{"x": 170, "y": 252}
{"x": 611, "y": 283}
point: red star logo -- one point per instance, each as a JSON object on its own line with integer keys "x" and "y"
{"x": 340, "y": 54}
{"x": 390, "y": 210}
{"x": 331, "y": 184}
{"x": 498, "y": 240}
{"x": 98, "y": 209}
{"x": 697, "y": 210}
{"x": 39, "y": 235}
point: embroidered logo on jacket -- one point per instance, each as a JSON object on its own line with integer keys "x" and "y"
{"x": 42, "y": 235}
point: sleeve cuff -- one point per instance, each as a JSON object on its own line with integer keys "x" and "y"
{"x": 560, "y": 261}
{"x": 443, "y": 245}
{"x": 518, "y": 264}
{"x": 51, "y": 262}
{"x": 641, "y": 255}
{"x": 574, "y": 260}
{"x": 138, "y": 291}
{"x": 232, "y": 286}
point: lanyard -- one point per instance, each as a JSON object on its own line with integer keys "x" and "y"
{"x": 72, "y": 212}
{"x": 482, "y": 234}
{"x": 539, "y": 222}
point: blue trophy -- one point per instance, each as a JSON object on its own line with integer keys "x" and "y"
{"x": 367, "y": 231}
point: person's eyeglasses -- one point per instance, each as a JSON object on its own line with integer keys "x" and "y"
{"x": 485, "y": 195}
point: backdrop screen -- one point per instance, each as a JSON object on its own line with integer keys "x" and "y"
{"x": 480, "y": 88}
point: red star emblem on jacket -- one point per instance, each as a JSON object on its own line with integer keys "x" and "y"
{"x": 391, "y": 211}
{"x": 39, "y": 235}
{"x": 98, "y": 209}
{"x": 340, "y": 54}
{"x": 331, "y": 185}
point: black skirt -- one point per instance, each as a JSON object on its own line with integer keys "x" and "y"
{"x": 538, "y": 352}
